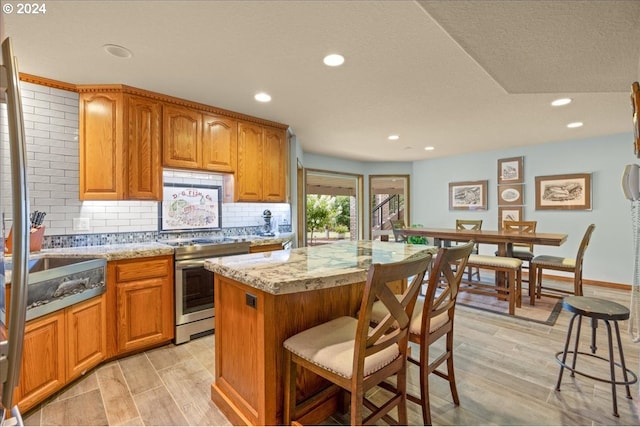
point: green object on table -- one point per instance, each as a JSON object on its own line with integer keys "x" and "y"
{"x": 417, "y": 240}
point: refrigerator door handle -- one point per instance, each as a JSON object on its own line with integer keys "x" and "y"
{"x": 20, "y": 253}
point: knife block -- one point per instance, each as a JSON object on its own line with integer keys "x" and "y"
{"x": 35, "y": 240}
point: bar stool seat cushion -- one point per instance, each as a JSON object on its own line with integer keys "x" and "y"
{"x": 495, "y": 261}
{"x": 379, "y": 311}
{"x": 331, "y": 346}
{"x": 554, "y": 261}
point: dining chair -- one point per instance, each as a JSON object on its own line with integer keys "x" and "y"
{"x": 356, "y": 357}
{"x": 548, "y": 262}
{"x": 397, "y": 225}
{"x": 471, "y": 224}
{"x": 522, "y": 251}
{"x": 433, "y": 318}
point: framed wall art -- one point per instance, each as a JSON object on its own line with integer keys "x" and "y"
{"x": 511, "y": 170}
{"x": 509, "y": 214}
{"x": 571, "y": 191}
{"x": 190, "y": 207}
{"x": 511, "y": 195}
{"x": 468, "y": 195}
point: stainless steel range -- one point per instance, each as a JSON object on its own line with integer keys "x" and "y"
{"x": 195, "y": 302}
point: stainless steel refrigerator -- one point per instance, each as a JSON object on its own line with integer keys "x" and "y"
{"x": 13, "y": 331}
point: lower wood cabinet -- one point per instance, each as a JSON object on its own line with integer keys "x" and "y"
{"x": 60, "y": 347}
{"x": 141, "y": 309}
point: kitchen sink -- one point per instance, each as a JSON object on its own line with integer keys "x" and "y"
{"x": 55, "y": 283}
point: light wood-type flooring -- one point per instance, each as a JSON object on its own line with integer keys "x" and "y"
{"x": 505, "y": 368}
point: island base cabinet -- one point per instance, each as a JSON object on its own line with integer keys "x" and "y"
{"x": 251, "y": 326}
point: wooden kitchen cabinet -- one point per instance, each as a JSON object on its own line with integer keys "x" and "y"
{"x": 119, "y": 145}
{"x": 140, "y": 299}
{"x": 43, "y": 360}
{"x": 200, "y": 141}
{"x": 86, "y": 326}
{"x": 262, "y": 164}
{"x": 60, "y": 347}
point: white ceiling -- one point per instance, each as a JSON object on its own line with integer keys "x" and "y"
{"x": 462, "y": 76}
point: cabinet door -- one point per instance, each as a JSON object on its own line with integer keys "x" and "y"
{"x": 143, "y": 309}
{"x": 43, "y": 361}
{"x": 144, "y": 170}
{"x": 181, "y": 137}
{"x": 142, "y": 301}
{"x": 275, "y": 166}
{"x": 219, "y": 144}
{"x": 250, "y": 163}
{"x": 102, "y": 163}
{"x": 86, "y": 336}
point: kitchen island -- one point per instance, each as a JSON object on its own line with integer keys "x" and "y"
{"x": 264, "y": 298}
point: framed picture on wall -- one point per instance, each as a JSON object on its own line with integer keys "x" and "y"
{"x": 635, "y": 111}
{"x": 568, "y": 192}
{"x": 468, "y": 195}
{"x": 511, "y": 170}
{"x": 509, "y": 214}
{"x": 190, "y": 207}
{"x": 511, "y": 195}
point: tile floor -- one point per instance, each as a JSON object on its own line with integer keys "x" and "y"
{"x": 169, "y": 385}
{"x": 505, "y": 371}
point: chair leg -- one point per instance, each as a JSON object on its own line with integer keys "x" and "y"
{"x": 424, "y": 383}
{"x": 539, "y": 283}
{"x": 511, "y": 284}
{"x": 401, "y": 385}
{"x": 451, "y": 376}
{"x": 289, "y": 389}
{"x": 577, "y": 284}
{"x": 519, "y": 288}
{"x": 357, "y": 406}
{"x": 532, "y": 283}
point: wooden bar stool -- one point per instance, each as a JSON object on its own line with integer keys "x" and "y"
{"x": 607, "y": 311}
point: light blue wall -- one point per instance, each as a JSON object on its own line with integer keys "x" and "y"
{"x": 609, "y": 257}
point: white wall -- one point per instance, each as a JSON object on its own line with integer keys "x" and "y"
{"x": 609, "y": 256}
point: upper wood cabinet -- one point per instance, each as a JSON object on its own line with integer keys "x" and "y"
{"x": 196, "y": 140}
{"x": 262, "y": 161}
{"x": 119, "y": 147}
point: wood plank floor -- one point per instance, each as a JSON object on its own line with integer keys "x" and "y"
{"x": 505, "y": 369}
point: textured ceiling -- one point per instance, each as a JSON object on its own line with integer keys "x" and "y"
{"x": 547, "y": 46}
{"x": 462, "y": 76}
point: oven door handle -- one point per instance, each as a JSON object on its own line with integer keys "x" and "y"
{"x": 189, "y": 264}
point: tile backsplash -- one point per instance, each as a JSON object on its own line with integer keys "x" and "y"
{"x": 51, "y": 128}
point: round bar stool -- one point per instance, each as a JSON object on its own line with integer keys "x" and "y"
{"x": 607, "y": 311}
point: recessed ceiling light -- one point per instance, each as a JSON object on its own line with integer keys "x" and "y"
{"x": 393, "y": 137}
{"x": 561, "y": 101}
{"x": 117, "y": 51}
{"x": 333, "y": 60}
{"x": 262, "y": 97}
{"x": 429, "y": 148}
{"x": 575, "y": 125}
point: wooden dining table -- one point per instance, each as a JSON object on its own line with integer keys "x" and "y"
{"x": 502, "y": 238}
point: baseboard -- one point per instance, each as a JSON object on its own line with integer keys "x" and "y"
{"x": 591, "y": 282}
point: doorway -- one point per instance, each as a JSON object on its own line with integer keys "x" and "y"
{"x": 389, "y": 201}
{"x": 333, "y": 206}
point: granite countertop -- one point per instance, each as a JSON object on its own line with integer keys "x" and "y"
{"x": 316, "y": 267}
{"x": 110, "y": 252}
{"x": 140, "y": 250}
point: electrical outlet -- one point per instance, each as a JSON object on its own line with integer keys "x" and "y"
{"x": 81, "y": 224}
